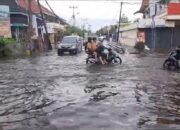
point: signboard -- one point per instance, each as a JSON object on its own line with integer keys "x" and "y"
{"x": 34, "y": 24}
{"x": 174, "y": 9}
{"x": 141, "y": 37}
{"x": 50, "y": 27}
{"x": 152, "y": 9}
{"x": 5, "y": 27}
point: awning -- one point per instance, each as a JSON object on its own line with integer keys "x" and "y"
{"x": 18, "y": 25}
{"x": 56, "y": 26}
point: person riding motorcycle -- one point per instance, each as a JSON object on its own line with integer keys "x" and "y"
{"x": 91, "y": 46}
{"x": 177, "y": 53}
{"x": 173, "y": 60}
{"x": 100, "y": 53}
{"x": 140, "y": 43}
{"x": 176, "y": 56}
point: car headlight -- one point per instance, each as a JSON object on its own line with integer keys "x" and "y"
{"x": 59, "y": 46}
{"x": 73, "y": 47}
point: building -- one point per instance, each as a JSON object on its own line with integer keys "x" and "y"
{"x": 19, "y": 20}
{"x": 166, "y": 15}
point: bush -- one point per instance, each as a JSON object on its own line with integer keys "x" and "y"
{"x": 6, "y": 41}
{"x": 4, "y": 46}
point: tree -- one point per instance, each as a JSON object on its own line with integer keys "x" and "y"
{"x": 107, "y": 30}
{"x": 73, "y": 30}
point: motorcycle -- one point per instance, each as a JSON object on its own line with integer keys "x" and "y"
{"x": 171, "y": 63}
{"x": 111, "y": 58}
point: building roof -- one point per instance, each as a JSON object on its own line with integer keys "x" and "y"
{"x": 144, "y": 4}
{"x": 12, "y": 5}
{"x": 35, "y": 9}
{"x": 24, "y": 4}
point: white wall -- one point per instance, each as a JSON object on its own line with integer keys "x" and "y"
{"x": 128, "y": 37}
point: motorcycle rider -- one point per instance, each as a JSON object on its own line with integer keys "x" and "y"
{"x": 91, "y": 46}
{"x": 140, "y": 43}
{"x": 177, "y": 55}
{"x": 100, "y": 53}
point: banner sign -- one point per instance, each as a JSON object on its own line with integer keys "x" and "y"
{"x": 5, "y": 27}
{"x": 141, "y": 37}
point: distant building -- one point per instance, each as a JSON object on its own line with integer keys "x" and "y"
{"x": 19, "y": 20}
{"x": 166, "y": 14}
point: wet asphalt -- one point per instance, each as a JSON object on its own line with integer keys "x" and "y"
{"x": 64, "y": 93}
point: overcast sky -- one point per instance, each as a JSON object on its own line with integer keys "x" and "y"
{"x": 97, "y": 13}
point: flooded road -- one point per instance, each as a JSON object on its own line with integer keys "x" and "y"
{"x": 63, "y": 93}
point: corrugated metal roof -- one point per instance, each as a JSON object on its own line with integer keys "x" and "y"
{"x": 144, "y": 4}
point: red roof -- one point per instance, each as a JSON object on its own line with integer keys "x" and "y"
{"x": 24, "y": 4}
{"x": 34, "y": 7}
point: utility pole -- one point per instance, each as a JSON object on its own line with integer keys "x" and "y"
{"x": 47, "y": 40}
{"x": 153, "y": 31}
{"x": 119, "y": 24}
{"x": 30, "y": 21}
{"x": 89, "y": 29}
{"x": 29, "y": 31}
{"x": 84, "y": 23}
{"x": 73, "y": 15}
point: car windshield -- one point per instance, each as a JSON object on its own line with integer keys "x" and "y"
{"x": 69, "y": 40}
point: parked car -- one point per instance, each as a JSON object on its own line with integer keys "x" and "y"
{"x": 71, "y": 44}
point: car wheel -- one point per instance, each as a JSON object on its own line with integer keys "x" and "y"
{"x": 75, "y": 51}
{"x": 60, "y": 53}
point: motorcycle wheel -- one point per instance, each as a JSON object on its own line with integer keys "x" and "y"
{"x": 122, "y": 51}
{"x": 116, "y": 60}
{"x": 169, "y": 65}
{"x": 166, "y": 64}
{"x": 90, "y": 61}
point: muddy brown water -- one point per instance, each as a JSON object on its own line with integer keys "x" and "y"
{"x": 63, "y": 93}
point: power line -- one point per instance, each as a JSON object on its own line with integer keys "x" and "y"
{"x": 53, "y": 11}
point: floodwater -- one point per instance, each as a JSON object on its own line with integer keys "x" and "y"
{"x": 63, "y": 93}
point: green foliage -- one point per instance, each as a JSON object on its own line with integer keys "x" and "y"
{"x": 73, "y": 30}
{"x": 6, "y": 41}
{"x": 107, "y": 29}
{"x": 112, "y": 29}
{"x": 4, "y": 46}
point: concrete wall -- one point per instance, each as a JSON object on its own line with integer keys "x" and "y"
{"x": 128, "y": 37}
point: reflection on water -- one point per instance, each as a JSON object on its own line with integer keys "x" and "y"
{"x": 52, "y": 92}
